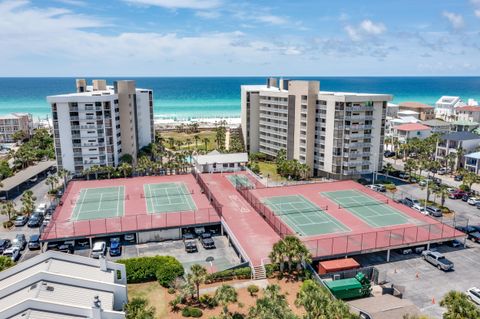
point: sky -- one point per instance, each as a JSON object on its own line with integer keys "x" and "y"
{"x": 239, "y": 38}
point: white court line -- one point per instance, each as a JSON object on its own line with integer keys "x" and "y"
{"x": 100, "y": 202}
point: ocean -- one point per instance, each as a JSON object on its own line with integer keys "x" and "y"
{"x": 211, "y": 97}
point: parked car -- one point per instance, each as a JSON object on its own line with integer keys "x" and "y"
{"x": 466, "y": 197}
{"x": 404, "y": 175}
{"x": 207, "y": 241}
{"x": 129, "y": 237}
{"x": 473, "y": 201}
{"x": 389, "y": 154}
{"x": 437, "y": 259}
{"x": 13, "y": 253}
{"x": 46, "y": 220}
{"x": 419, "y": 208}
{"x": 4, "y": 244}
{"x": 442, "y": 171}
{"x": 99, "y": 249}
{"x": 190, "y": 246}
{"x": 434, "y": 211}
{"x": 188, "y": 236}
{"x": 456, "y": 194}
{"x": 20, "y": 241}
{"x": 34, "y": 242}
{"x": 455, "y": 243}
{"x": 381, "y": 188}
{"x": 475, "y": 236}
{"x": 115, "y": 247}
{"x": 20, "y": 220}
{"x": 35, "y": 220}
{"x": 65, "y": 248}
{"x": 474, "y": 295}
{"x": 458, "y": 178}
{"x": 409, "y": 201}
{"x": 52, "y": 245}
{"x": 466, "y": 229}
{"x": 422, "y": 183}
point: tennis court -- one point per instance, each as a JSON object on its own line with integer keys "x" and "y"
{"x": 374, "y": 212}
{"x": 168, "y": 197}
{"x": 239, "y": 180}
{"x": 99, "y": 202}
{"x": 303, "y": 216}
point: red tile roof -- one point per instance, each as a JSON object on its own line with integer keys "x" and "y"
{"x": 468, "y": 108}
{"x": 412, "y": 127}
{"x": 416, "y": 105}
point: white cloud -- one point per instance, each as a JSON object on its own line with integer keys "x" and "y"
{"x": 456, "y": 20}
{"x": 272, "y": 19}
{"x": 372, "y": 28}
{"x": 77, "y": 3}
{"x": 477, "y": 13}
{"x": 179, "y": 4}
{"x": 365, "y": 28}
{"x": 208, "y": 14}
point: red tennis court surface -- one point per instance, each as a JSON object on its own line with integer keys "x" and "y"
{"x": 252, "y": 232}
{"x": 362, "y": 237}
{"x": 135, "y": 216}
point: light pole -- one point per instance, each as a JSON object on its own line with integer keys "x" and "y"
{"x": 375, "y": 167}
{"x": 426, "y": 196}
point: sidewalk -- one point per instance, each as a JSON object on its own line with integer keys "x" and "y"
{"x": 260, "y": 283}
{"x": 446, "y": 179}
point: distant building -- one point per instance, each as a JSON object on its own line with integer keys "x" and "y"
{"x": 468, "y": 113}
{"x": 463, "y": 126}
{"x": 426, "y": 112}
{"x": 216, "y": 162}
{"x": 405, "y": 132}
{"x": 445, "y": 107}
{"x": 337, "y": 134}
{"x": 451, "y": 142}
{"x": 56, "y": 285}
{"x": 392, "y": 110}
{"x": 438, "y": 126}
{"x": 98, "y": 124}
{"x": 472, "y": 162}
{"x": 13, "y": 123}
{"x": 408, "y": 113}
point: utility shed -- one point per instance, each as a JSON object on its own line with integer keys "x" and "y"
{"x": 336, "y": 265}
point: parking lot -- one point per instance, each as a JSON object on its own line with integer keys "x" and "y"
{"x": 220, "y": 258}
{"x": 424, "y": 284}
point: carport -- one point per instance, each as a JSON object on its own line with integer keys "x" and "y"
{"x": 12, "y": 185}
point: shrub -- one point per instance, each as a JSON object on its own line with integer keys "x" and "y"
{"x": 162, "y": 268}
{"x": 464, "y": 188}
{"x": 171, "y": 290}
{"x": 7, "y": 224}
{"x": 270, "y": 269}
{"x": 208, "y": 301}
{"x": 186, "y": 312}
{"x": 240, "y": 273}
{"x": 192, "y": 312}
{"x": 253, "y": 290}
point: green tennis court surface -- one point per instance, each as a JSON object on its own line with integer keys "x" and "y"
{"x": 99, "y": 202}
{"x": 168, "y": 197}
{"x": 376, "y": 213}
{"x": 239, "y": 180}
{"x": 303, "y": 216}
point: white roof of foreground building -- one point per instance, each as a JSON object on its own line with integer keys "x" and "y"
{"x": 218, "y": 158}
{"x": 57, "y": 285}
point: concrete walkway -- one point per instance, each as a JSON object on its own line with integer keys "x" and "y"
{"x": 260, "y": 283}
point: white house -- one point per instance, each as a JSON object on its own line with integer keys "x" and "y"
{"x": 56, "y": 285}
{"x": 445, "y": 107}
{"x": 472, "y": 162}
{"x": 405, "y": 132}
{"x": 215, "y": 162}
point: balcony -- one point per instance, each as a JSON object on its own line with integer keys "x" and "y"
{"x": 354, "y": 145}
{"x": 358, "y": 108}
{"x": 358, "y": 117}
{"x": 358, "y": 127}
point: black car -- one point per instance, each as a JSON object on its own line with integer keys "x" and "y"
{"x": 389, "y": 154}
{"x": 465, "y": 197}
{"x": 466, "y": 229}
{"x": 475, "y": 236}
{"x": 65, "y": 248}
{"x": 34, "y": 242}
{"x": 52, "y": 245}
{"x": 35, "y": 220}
{"x": 4, "y": 244}
{"x": 207, "y": 241}
{"x": 190, "y": 246}
{"x": 458, "y": 178}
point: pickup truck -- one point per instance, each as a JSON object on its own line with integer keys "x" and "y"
{"x": 437, "y": 259}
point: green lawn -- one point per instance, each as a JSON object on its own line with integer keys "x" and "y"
{"x": 270, "y": 168}
{"x": 154, "y": 293}
{"x": 184, "y": 136}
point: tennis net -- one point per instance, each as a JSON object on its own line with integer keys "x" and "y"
{"x": 370, "y": 203}
{"x": 169, "y": 193}
{"x": 98, "y": 199}
{"x": 299, "y": 212}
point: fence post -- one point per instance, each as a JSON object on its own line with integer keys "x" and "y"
{"x": 403, "y": 236}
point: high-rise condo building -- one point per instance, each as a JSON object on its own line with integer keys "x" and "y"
{"x": 13, "y": 123}
{"x": 338, "y": 135}
{"x": 98, "y": 124}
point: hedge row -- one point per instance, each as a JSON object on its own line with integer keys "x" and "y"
{"x": 165, "y": 269}
{"x": 238, "y": 273}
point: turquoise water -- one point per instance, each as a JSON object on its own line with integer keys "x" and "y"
{"x": 194, "y": 97}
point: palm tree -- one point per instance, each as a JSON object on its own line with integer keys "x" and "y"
{"x": 171, "y": 142}
{"x": 188, "y": 142}
{"x": 196, "y": 138}
{"x": 125, "y": 169}
{"x": 28, "y": 202}
{"x": 388, "y": 168}
{"x": 460, "y": 153}
{"x": 197, "y": 277}
{"x": 52, "y": 181}
{"x": 8, "y": 209}
{"x": 451, "y": 161}
{"x": 224, "y": 295}
{"x": 458, "y": 306}
{"x": 138, "y": 308}
{"x": 206, "y": 140}
{"x": 442, "y": 191}
{"x": 63, "y": 174}
{"x": 277, "y": 255}
{"x": 295, "y": 251}
{"x": 272, "y": 305}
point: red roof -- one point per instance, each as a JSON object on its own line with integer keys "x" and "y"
{"x": 468, "y": 108}
{"x": 416, "y": 105}
{"x": 412, "y": 127}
